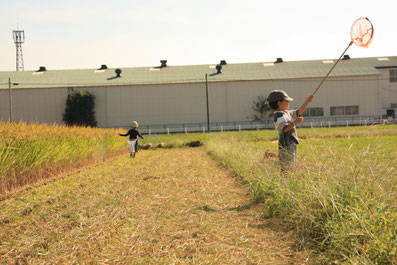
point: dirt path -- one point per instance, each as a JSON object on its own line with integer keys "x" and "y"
{"x": 164, "y": 207}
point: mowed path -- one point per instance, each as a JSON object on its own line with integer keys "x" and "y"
{"x": 174, "y": 206}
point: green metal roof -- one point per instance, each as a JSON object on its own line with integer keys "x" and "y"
{"x": 196, "y": 73}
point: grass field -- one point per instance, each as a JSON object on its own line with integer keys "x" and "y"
{"x": 341, "y": 198}
{"x": 342, "y": 195}
{"x": 169, "y": 206}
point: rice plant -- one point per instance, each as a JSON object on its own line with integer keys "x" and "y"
{"x": 29, "y": 152}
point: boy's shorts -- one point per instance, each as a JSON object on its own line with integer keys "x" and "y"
{"x": 287, "y": 156}
{"x": 131, "y": 145}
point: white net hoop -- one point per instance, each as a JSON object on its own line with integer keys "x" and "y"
{"x": 362, "y": 32}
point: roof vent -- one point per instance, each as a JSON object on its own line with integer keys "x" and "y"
{"x": 41, "y": 69}
{"x": 163, "y": 63}
{"x": 118, "y": 72}
{"x": 103, "y": 67}
{"x": 346, "y": 57}
{"x": 279, "y": 60}
{"x": 223, "y": 62}
{"x": 219, "y": 69}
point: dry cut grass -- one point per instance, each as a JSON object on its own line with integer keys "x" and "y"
{"x": 170, "y": 206}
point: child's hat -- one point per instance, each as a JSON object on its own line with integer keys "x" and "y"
{"x": 278, "y": 95}
{"x": 134, "y": 124}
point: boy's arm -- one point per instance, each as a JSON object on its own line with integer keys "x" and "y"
{"x": 290, "y": 126}
{"x": 139, "y": 134}
{"x": 124, "y": 134}
{"x": 281, "y": 125}
{"x": 299, "y": 112}
{"x": 304, "y": 105}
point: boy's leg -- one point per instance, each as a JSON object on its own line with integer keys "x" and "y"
{"x": 287, "y": 156}
{"x": 129, "y": 147}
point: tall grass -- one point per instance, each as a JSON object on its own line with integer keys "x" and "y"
{"x": 30, "y": 151}
{"x": 341, "y": 196}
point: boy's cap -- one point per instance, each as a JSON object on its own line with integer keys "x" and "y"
{"x": 278, "y": 95}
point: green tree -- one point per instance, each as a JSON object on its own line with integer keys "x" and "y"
{"x": 80, "y": 109}
{"x": 264, "y": 111}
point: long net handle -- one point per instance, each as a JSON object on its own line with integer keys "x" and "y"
{"x": 350, "y": 44}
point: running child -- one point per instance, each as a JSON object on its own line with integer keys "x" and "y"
{"x": 133, "y": 141}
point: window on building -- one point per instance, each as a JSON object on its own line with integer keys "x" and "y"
{"x": 393, "y": 76}
{"x": 337, "y": 111}
{"x": 310, "y": 112}
{"x": 344, "y": 110}
{"x": 393, "y": 105}
{"x": 351, "y": 110}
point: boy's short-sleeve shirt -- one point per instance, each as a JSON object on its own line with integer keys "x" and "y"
{"x": 282, "y": 119}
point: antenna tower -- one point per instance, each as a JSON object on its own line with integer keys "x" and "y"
{"x": 19, "y": 38}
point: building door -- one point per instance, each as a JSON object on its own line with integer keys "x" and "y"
{"x": 390, "y": 113}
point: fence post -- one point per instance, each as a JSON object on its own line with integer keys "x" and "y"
{"x": 239, "y": 128}
{"x": 150, "y": 131}
{"x": 347, "y": 123}
{"x": 203, "y": 129}
{"x": 185, "y": 130}
{"x": 168, "y": 130}
{"x": 311, "y": 124}
{"x": 329, "y": 124}
{"x": 221, "y": 128}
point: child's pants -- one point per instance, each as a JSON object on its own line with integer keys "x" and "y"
{"x": 287, "y": 156}
{"x": 131, "y": 145}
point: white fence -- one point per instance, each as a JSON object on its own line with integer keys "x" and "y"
{"x": 268, "y": 124}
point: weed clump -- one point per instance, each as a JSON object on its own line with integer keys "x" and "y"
{"x": 194, "y": 143}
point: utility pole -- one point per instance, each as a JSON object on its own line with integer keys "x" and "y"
{"x": 10, "y": 99}
{"x": 208, "y": 107}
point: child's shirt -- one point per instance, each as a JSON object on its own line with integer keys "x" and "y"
{"x": 282, "y": 119}
{"x": 133, "y": 133}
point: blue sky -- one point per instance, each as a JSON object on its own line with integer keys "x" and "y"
{"x": 85, "y": 34}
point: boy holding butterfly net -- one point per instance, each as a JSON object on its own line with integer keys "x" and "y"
{"x": 285, "y": 121}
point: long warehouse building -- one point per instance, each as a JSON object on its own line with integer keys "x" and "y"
{"x": 167, "y": 94}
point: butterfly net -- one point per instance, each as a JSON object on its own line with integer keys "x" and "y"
{"x": 362, "y": 32}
